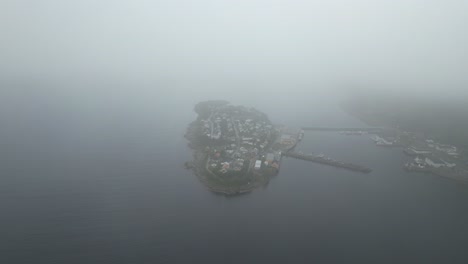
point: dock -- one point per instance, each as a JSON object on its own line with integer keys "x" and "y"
{"x": 327, "y": 161}
{"x": 354, "y": 129}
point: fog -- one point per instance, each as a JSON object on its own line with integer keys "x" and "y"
{"x": 97, "y": 96}
{"x": 192, "y": 48}
{"x": 80, "y": 62}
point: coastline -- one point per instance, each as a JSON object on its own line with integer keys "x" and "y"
{"x": 370, "y": 121}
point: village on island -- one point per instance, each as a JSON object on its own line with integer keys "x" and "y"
{"x": 237, "y": 149}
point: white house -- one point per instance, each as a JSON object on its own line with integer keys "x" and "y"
{"x": 435, "y": 163}
{"x": 258, "y": 164}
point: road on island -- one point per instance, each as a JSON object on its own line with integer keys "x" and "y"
{"x": 237, "y": 135}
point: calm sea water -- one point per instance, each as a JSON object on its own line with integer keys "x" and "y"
{"x": 105, "y": 184}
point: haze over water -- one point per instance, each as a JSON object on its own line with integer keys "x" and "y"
{"x": 95, "y": 98}
{"x": 107, "y": 185}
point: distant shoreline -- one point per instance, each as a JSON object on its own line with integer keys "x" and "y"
{"x": 458, "y": 173}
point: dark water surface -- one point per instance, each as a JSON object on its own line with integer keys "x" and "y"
{"x": 105, "y": 184}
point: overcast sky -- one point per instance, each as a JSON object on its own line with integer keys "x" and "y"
{"x": 402, "y": 45}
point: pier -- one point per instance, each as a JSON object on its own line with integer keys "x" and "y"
{"x": 327, "y": 161}
{"x": 354, "y": 129}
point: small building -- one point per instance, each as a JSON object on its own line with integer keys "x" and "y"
{"x": 418, "y": 160}
{"x": 417, "y": 151}
{"x": 433, "y": 162}
{"x": 226, "y": 165}
{"x": 450, "y": 165}
{"x": 258, "y": 164}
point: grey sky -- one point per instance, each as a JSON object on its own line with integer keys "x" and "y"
{"x": 398, "y": 44}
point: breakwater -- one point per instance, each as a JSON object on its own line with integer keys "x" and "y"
{"x": 327, "y": 161}
{"x": 364, "y": 129}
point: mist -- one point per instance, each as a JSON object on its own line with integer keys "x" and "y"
{"x": 254, "y": 47}
{"x": 109, "y": 128}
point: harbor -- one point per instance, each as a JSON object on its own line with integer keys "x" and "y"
{"x": 321, "y": 158}
{"x": 242, "y": 149}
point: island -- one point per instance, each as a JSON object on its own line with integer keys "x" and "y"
{"x": 236, "y": 149}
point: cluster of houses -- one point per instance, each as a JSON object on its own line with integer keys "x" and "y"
{"x": 212, "y": 129}
{"x": 225, "y": 166}
{"x": 429, "y": 162}
{"x": 224, "y": 159}
{"x": 431, "y": 154}
{"x": 428, "y": 154}
{"x": 270, "y": 160}
{"x": 447, "y": 149}
{"x": 221, "y": 126}
{"x": 430, "y": 147}
{"x": 273, "y": 160}
{"x": 241, "y": 139}
{"x": 380, "y": 141}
